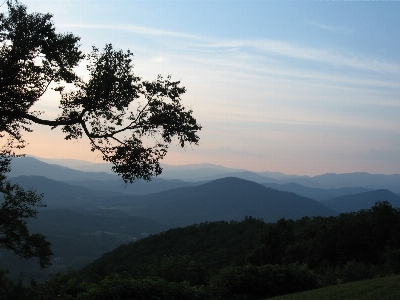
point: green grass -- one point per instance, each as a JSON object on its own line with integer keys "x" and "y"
{"x": 387, "y": 288}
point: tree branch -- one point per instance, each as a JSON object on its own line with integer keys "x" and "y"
{"x": 53, "y": 123}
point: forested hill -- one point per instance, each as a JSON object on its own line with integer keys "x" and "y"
{"x": 369, "y": 236}
{"x": 249, "y": 259}
{"x": 209, "y": 245}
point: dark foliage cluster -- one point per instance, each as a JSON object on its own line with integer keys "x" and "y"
{"x": 367, "y": 237}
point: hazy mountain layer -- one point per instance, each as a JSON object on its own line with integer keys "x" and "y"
{"x": 315, "y": 193}
{"x": 32, "y": 166}
{"x": 60, "y": 194}
{"x": 206, "y": 172}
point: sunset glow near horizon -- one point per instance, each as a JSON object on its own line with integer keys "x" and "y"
{"x": 301, "y": 88}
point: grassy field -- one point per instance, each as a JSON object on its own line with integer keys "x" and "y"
{"x": 387, "y": 288}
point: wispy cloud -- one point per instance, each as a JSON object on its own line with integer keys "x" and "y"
{"x": 130, "y": 28}
{"x": 332, "y": 29}
{"x": 291, "y": 50}
{"x": 332, "y": 57}
{"x": 278, "y": 72}
{"x": 307, "y": 120}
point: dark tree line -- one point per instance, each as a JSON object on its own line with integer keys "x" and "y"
{"x": 367, "y": 236}
{"x": 249, "y": 259}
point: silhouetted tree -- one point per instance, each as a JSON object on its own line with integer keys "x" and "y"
{"x": 129, "y": 120}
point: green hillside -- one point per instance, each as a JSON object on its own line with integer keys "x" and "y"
{"x": 387, "y": 288}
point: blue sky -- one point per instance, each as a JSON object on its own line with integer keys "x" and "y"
{"x": 298, "y": 87}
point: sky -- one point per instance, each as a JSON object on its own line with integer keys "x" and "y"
{"x": 299, "y": 87}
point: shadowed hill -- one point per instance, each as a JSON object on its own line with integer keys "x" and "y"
{"x": 356, "y": 202}
{"x": 223, "y": 199}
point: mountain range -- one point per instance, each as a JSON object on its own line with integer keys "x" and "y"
{"x": 193, "y": 174}
{"x": 333, "y": 185}
{"x": 89, "y": 209}
{"x": 175, "y": 202}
